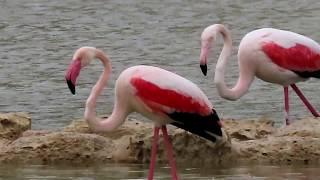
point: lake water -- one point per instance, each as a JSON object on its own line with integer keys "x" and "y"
{"x": 38, "y": 38}
{"x": 139, "y": 172}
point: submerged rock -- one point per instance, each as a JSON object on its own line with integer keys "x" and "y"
{"x": 245, "y": 141}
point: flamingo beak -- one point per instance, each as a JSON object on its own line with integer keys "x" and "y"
{"x": 71, "y": 86}
{"x": 203, "y": 59}
{"x": 72, "y": 75}
{"x": 204, "y": 69}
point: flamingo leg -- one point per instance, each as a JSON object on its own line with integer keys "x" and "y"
{"x": 286, "y": 104}
{"x": 305, "y": 101}
{"x": 154, "y": 152}
{"x": 169, "y": 153}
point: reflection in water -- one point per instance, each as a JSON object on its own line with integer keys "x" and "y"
{"x": 137, "y": 171}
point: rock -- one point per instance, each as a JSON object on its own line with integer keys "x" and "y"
{"x": 282, "y": 150}
{"x": 297, "y": 143}
{"x": 129, "y": 127}
{"x": 58, "y": 147}
{"x": 308, "y": 127}
{"x": 133, "y": 142}
{"x": 35, "y": 133}
{"x": 4, "y": 142}
{"x": 188, "y": 148}
{"x": 12, "y": 125}
{"x": 242, "y": 130}
{"x": 245, "y": 141}
{"x": 73, "y": 147}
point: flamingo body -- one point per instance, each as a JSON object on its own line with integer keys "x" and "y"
{"x": 180, "y": 94}
{"x": 286, "y": 49}
{"x": 166, "y": 97}
{"x": 273, "y": 55}
{"x": 279, "y": 56}
{"x": 157, "y": 94}
{"x": 299, "y": 59}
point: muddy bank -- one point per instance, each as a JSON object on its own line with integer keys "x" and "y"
{"x": 245, "y": 141}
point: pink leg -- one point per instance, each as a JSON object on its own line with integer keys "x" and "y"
{"x": 170, "y": 153}
{"x": 305, "y": 101}
{"x": 286, "y": 104}
{"x": 153, "y": 152}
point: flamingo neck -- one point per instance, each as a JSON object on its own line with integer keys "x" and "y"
{"x": 95, "y": 123}
{"x": 242, "y": 84}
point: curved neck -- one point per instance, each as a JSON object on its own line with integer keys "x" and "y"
{"x": 117, "y": 117}
{"x": 245, "y": 77}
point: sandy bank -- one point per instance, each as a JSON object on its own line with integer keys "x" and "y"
{"x": 247, "y": 141}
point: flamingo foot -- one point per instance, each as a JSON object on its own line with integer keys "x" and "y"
{"x": 153, "y": 152}
{"x": 171, "y": 159}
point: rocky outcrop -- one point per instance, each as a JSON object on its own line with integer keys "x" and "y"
{"x": 298, "y": 143}
{"x": 245, "y": 141}
{"x": 243, "y": 130}
{"x": 133, "y": 144}
{"x": 282, "y": 150}
{"x": 12, "y": 125}
{"x": 58, "y": 147}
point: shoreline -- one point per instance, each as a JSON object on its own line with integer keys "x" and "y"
{"x": 246, "y": 142}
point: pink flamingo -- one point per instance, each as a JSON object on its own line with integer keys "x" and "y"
{"x": 157, "y": 94}
{"x": 273, "y": 55}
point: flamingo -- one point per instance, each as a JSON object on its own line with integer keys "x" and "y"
{"x": 160, "y": 95}
{"x": 273, "y": 55}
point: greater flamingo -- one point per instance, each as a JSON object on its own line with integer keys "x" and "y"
{"x": 273, "y": 55}
{"x": 160, "y": 95}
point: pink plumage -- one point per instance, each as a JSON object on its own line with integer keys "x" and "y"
{"x": 273, "y": 55}
{"x": 297, "y": 58}
{"x": 157, "y": 97}
{"x": 160, "y": 95}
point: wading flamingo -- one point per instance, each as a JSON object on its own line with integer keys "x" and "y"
{"x": 160, "y": 95}
{"x": 273, "y": 55}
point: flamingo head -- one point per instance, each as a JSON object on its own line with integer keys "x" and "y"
{"x": 81, "y": 58}
{"x": 208, "y": 37}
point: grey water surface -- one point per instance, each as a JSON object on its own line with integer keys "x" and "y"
{"x": 139, "y": 172}
{"x": 38, "y": 38}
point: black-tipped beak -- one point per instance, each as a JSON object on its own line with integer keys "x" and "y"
{"x": 204, "y": 69}
{"x": 71, "y": 86}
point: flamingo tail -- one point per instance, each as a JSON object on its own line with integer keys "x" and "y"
{"x": 308, "y": 74}
{"x": 207, "y": 127}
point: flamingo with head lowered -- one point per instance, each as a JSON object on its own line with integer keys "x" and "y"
{"x": 273, "y": 55}
{"x": 160, "y": 95}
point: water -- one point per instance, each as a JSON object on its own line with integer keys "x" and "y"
{"x": 138, "y": 172}
{"x": 38, "y": 38}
